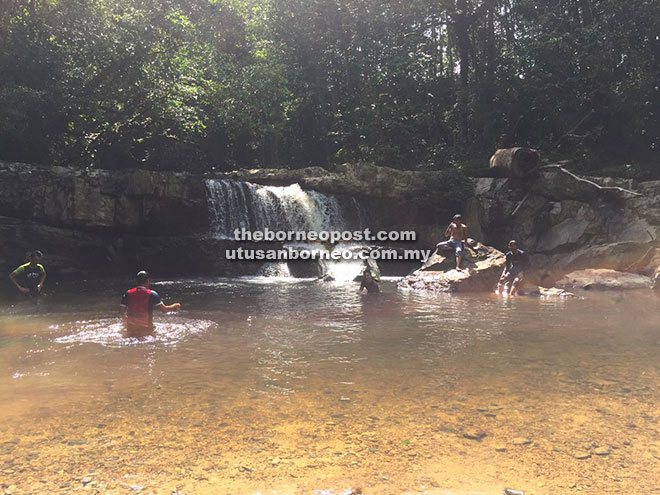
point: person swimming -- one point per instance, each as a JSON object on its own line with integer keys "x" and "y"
{"x": 136, "y": 307}
{"x": 368, "y": 282}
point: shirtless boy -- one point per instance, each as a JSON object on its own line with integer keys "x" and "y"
{"x": 458, "y": 234}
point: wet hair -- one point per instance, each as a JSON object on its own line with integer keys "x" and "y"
{"x": 142, "y": 277}
{"x": 457, "y": 216}
{"x": 367, "y": 272}
{"x": 36, "y": 254}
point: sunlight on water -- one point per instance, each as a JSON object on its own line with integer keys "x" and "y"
{"x": 308, "y": 387}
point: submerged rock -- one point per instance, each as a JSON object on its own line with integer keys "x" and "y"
{"x": 481, "y": 269}
{"x": 553, "y": 292}
{"x": 605, "y": 279}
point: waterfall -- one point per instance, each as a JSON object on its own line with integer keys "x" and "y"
{"x": 244, "y": 205}
{"x": 235, "y": 205}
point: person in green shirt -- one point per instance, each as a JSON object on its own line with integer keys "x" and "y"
{"x": 31, "y": 274}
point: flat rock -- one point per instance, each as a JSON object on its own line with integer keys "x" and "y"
{"x": 602, "y": 451}
{"x": 521, "y": 441}
{"x": 474, "y": 434}
{"x": 605, "y": 279}
{"x": 481, "y": 268}
{"x": 554, "y": 292}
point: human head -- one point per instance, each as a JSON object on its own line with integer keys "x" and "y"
{"x": 36, "y": 256}
{"x": 143, "y": 278}
{"x": 513, "y": 245}
{"x": 367, "y": 274}
{"x": 457, "y": 217}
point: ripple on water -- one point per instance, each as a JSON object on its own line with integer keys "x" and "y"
{"x": 110, "y": 332}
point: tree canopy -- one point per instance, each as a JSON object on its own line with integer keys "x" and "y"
{"x": 219, "y": 84}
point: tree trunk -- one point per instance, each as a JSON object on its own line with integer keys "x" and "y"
{"x": 461, "y": 25}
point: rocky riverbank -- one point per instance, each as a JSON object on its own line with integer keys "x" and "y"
{"x": 568, "y": 223}
{"x": 92, "y": 223}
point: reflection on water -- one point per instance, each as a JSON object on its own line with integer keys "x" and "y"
{"x": 309, "y": 387}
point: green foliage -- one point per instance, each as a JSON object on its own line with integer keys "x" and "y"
{"x": 218, "y": 84}
{"x": 445, "y": 192}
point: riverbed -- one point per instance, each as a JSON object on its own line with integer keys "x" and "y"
{"x": 276, "y": 385}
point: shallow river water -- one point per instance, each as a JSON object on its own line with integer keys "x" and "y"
{"x": 268, "y": 386}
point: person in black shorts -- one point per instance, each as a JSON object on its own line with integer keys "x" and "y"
{"x": 137, "y": 305}
{"x": 31, "y": 274}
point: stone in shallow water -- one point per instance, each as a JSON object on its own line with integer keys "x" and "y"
{"x": 474, "y": 434}
{"x": 521, "y": 441}
{"x": 605, "y": 279}
{"x": 602, "y": 451}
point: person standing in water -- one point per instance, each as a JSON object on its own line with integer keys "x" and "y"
{"x": 458, "y": 234}
{"x": 137, "y": 306}
{"x": 514, "y": 269}
{"x": 32, "y": 274}
{"x": 368, "y": 282}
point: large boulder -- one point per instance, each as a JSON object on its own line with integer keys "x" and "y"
{"x": 481, "y": 268}
{"x": 605, "y": 279}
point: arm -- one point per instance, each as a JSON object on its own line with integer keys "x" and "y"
{"x": 42, "y": 280}
{"x": 12, "y": 277}
{"x": 448, "y": 231}
{"x": 165, "y": 308}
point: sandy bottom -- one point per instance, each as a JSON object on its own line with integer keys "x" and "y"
{"x": 379, "y": 403}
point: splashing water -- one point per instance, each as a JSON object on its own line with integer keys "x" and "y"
{"x": 110, "y": 332}
{"x": 344, "y": 270}
{"x": 274, "y": 270}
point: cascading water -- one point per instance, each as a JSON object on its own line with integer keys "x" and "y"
{"x": 242, "y": 205}
{"x": 235, "y": 205}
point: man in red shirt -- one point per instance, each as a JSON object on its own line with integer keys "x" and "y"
{"x": 137, "y": 307}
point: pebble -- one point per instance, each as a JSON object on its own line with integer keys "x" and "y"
{"x": 582, "y": 455}
{"x": 500, "y": 448}
{"x": 474, "y": 434}
{"x": 602, "y": 451}
{"x": 521, "y": 441}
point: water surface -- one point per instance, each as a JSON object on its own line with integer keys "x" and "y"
{"x": 271, "y": 386}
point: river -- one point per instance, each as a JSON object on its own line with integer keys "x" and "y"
{"x": 267, "y": 385}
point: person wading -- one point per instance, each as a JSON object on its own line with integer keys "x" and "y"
{"x": 369, "y": 282}
{"x": 137, "y": 305}
{"x": 514, "y": 269}
{"x": 32, "y": 275}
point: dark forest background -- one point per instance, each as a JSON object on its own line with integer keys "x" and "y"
{"x": 219, "y": 84}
